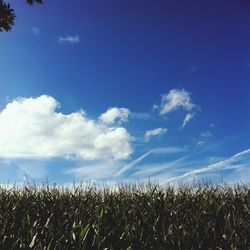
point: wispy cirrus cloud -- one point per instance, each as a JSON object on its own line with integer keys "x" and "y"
{"x": 206, "y": 134}
{"x": 247, "y": 64}
{"x": 35, "y": 31}
{"x": 140, "y": 116}
{"x": 154, "y": 132}
{"x": 69, "y": 39}
{"x": 95, "y": 170}
{"x": 165, "y": 150}
{"x": 33, "y": 169}
{"x": 156, "y": 169}
{"x": 224, "y": 164}
{"x": 187, "y": 119}
{"x": 193, "y": 69}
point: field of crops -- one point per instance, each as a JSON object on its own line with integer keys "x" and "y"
{"x": 130, "y": 217}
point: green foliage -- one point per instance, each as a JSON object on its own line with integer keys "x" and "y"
{"x": 7, "y": 14}
{"x": 151, "y": 217}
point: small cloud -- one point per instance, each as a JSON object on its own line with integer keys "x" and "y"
{"x": 155, "y": 107}
{"x": 211, "y": 125}
{"x": 36, "y": 31}
{"x": 206, "y": 134}
{"x": 140, "y": 116}
{"x": 193, "y": 69}
{"x": 187, "y": 119}
{"x": 175, "y": 100}
{"x": 154, "y": 132}
{"x": 69, "y": 39}
{"x": 247, "y": 64}
{"x": 200, "y": 143}
{"x": 114, "y": 114}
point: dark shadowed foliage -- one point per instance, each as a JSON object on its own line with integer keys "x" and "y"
{"x": 7, "y": 14}
{"x": 198, "y": 217}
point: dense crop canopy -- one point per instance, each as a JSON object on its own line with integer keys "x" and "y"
{"x": 129, "y": 218}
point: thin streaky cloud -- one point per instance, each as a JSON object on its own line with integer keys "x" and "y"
{"x": 132, "y": 163}
{"x": 36, "y": 31}
{"x": 156, "y": 169}
{"x": 154, "y": 132}
{"x": 187, "y": 119}
{"x": 166, "y": 150}
{"x": 96, "y": 170}
{"x": 193, "y": 69}
{"x": 206, "y": 134}
{"x": 247, "y": 64}
{"x": 140, "y": 116}
{"x": 218, "y": 165}
{"x": 69, "y": 39}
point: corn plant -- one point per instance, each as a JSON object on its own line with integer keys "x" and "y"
{"x": 130, "y": 217}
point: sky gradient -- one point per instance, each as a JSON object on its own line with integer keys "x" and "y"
{"x": 126, "y": 90}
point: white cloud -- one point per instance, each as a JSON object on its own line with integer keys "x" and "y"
{"x": 187, "y": 119}
{"x": 157, "y": 169}
{"x": 33, "y": 169}
{"x": 36, "y": 31}
{"x": 140, "y": 116}
{"x": 114, "y": 114}
{"x": 69, "y": 39}
{"x": 174, "y": 100}
{"x": 193, "y": 69}
{"x": 206, "y": 134}
{"x": 200, "y": 144}
{"x": 247, "y": 64}
{"x": 154, "y": 132}
{"x": 211, "y": 125}
{"x": 96, "y": 170}
{"x": 132, "y": 164}
{"x": 166, "y": 150}
{"x": 32, "y": 128}
{"x": 224, "y": 164}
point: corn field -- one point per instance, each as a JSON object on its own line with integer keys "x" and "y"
{"x": 130, "y": 217}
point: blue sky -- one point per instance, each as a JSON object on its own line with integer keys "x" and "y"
{"x": 126, "y": 90}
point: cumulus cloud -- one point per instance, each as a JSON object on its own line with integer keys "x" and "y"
{"x": 187, "y": 119}
{"x": 174, "y": 100}
{"x": 32, "y": 128}
{"x": 69, "y": 39}
{"x": 154, "y": 132}
{"x": 36, "y": 31}
{"x": 114, "y": 114}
